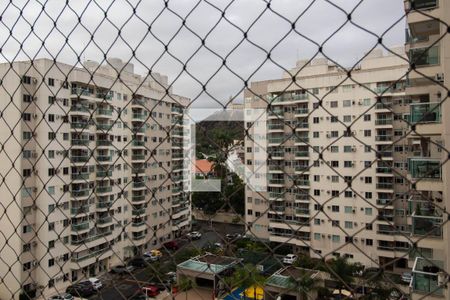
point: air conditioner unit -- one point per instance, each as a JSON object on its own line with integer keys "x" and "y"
{"x": 354, "y": 211}
{"x": 363, "y": 239}
{"x": 35, "y": 116}
{"x": 57, "y": 117}
{"x": 35, "y": 80}
{"x": 35, "y": 172}
{"x": 355, "y": 239}
{"x": 353, "y": 149}
{"x": 354, "y": 195}
{"x": 35, "y": 189}
{"x": 355, "y": 223}
{"x": 35, "y": 98}
{"x": 329, "y": 236}
{"x": 327, "y": 117}
{"x": 34, "y": 155}
{"x": 361, "y": 178}
{"x": 328, "y": 192}
{"x": 359, "y": 102}
{"x": 353, "y": 102}
{"x": 328, "y": 135}
{"x": 439, "y": 77}
{"x": 34, "y": 263}
{"x": 328, "y": 177}
{"x": 323, "y": 235}
{"x": 362, "y": 208}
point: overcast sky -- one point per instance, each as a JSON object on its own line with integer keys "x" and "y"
{"x": 270, "y": 31}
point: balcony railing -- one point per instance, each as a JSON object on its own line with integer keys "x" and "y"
{"x": 80, "y": 226}
{"x": 424, "y": 56}
{"x": 424, "y": 168}
{"x": 383, "y": 122}
{"x": 385, "y": 186}
{"x": 425, "y": 112}
{"x": 423, "y": 4}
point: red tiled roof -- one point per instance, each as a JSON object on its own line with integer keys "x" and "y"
{"x": 203, "y": 166}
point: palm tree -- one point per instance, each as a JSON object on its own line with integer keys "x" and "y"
{"x": 246, "y": 276}
{"x": 304, "y": 284}
{"x": 342, "y": 271}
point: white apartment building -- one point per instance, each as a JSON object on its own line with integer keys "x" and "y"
{"x": 428, "y": 47}
{"x": 91, "y": 170}
{"x": 341, "y": 163}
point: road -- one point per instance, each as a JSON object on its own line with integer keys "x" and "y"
{"x": 117, "y": 287}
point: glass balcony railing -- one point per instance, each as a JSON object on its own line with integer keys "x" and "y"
{"x": 138, "y": 198}
{"x": 80, "y": 210}
{"x": 139, "y": 116}
{"x": 302, "y": 182}
{"x": 105, "y": 127}
{"x": 103, "y": 158}
{"x": 302, "y": 154}
{"x": 80, "y": 193}
{"x": 82, "y": 176}
{"x": 138, "y": 157}
{"x": 104, "y": 173}
{"x": 104, "y": 143}
{"x": 104, "y": 95}
{"x": 425, "y": 276}
{"x": 422, "y": 57}
{"x": 103, "y": 189}
{"x": 429, "y": 226}
{"x": 276, "y": 126}
{"x": 104, "y": 112}
{"x": 425, "y": 112}
{"x": 104, "y": 220}
{"x": 423, "y": 4}
{"x": 383, "y": 138}
{"x": 301, "y": 111}
{"x": 424, "y": 168}
{"x": 138, "y": 143}
{"x": 79, "y": 108}
{"x": 80, "y": 142}
{"x": 104, "y": 204}
{"x": 81, "y": 91}
{"x": 302, "y": 211}
{"x": 383, "y": 122}
{"x": 80, "y": 226}
{"x": 138, "y": 184}
{"x": 80, "y": 125}
{"x": 385, "y": 186}
{"x": 137, "y": 212}
{"x": 276, "y": 181}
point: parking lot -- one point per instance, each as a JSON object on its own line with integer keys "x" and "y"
{"x": 125, "y": 286}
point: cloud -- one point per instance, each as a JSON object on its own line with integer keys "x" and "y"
{"x": 147, "y": 27}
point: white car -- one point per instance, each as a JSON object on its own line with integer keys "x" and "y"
{"x": 289, "y": 259}
{"x": 96, "y": 283}
{"x": 194, "y": 235}
{"x": 406, "y": 277}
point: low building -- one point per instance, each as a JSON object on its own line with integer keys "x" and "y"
{"x": 286, "y": 283}
{"x": 204, "y": 168}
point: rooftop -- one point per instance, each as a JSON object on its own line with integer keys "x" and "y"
{"x": 209, "y": 263}
{"x": 283, "y": 277}
{"x": 203, "y": 166}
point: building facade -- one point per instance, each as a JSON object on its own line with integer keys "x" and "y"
{"x": 93, "y": 166}
{"x": 428, "y": 48}
{"x": 344, "y": 169}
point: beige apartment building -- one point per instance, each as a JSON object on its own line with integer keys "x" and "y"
{"x": 428, "y": 47}
{"x": 342, "y": 160}
{"x": 91, "y": 171}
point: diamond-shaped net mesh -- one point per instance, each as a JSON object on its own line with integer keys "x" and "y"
{"x": 320, "y": 180}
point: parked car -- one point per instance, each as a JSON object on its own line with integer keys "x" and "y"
{"x": 218, "y": 245}
{"x": 122, "y": 269}
{"x": 152, "y": 255}
{"x": 406, "y": 277}
{"x": 289, "y": 259}
{"x": 62, "y": 296}
{"x": 171, "y": 276}
{"x": 96, "y": 283}
{"x": 83, "y": 289}
{"x": 233, "y": 236}
{"x": 139, "y": 297}
{"x": 172, "y": 245}
{"x": 138, "y": 262}
{"x": 194, "y": 235}
{"x": 150, "y": 290}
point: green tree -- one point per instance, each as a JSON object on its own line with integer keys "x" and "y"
{"x": 245, "y": 276}
{"x": 342, "y": 271}
{"x": 304, "y": 284}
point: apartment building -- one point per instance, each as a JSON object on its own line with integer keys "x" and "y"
{"x": 342, "y": 163}
{"x": 428, "y": 47}
{"x": 92, "y": 167}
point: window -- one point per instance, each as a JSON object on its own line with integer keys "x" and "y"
{"x": 334, "y": 134}
{"x": 348, "y": 194}
{"x": 26, "y": 247}
{"x": 51, "y": 226}
{"x": 368, "y": 195}
{"x": 335, "y": 163}
{"x": 335, "y": 193}
{"x": 51, "y": 153}
{"x": 335, "y": 223}
{"x": 335, "y": 208}
{"x": 367, "y": 148}
{"x": 51, "y": 262}
{"x": 51, "y": 100}
{"x": 26, "y": 117}
{"x": 316, "y": 221}
{"x": 334, "y": 119}
{"x": 369, "y": 242}
{"x": 336, "y": 238}
{"x": 315, "y": 134}
{"x": 366, "y": 102}
{"x": 27, "y": 98}
{"x": 26, "y": 79}
{"x": 249, "y": 212}
{"x": 51, "y": 208}
{"x": 51, "y": 244}
{"x": 27, "y": 228}
{"x": 26, "y": 266}
{"x": 367, "y": 118}
{"x": 333, "y": 104}
{"x": 51, "y": 172}
{"x": 26, "y": 135}
{"x": 51, "y": 118}
{"x": 348, "y": 224}
{"x": 347, "y": 119}
{"x": 52, "y": 135}
{"x": 348, "y": 209}
{"x": 368, "y": 179}
{"x": 335, "y": 178}
{"x": 347, "y": 103}
{"x": 369, "y": 226}
{"x": 348, "y": 164}
{"x": 367, "y": 132}
{"x": 51, "y": 190}
{"x": 316, "y": 120}
{"x": 51, "y": 81}
{"x": 317, "y": 236}
{"x": 26, "y": 172}
{"x": 368, "y": 211}
{"x": 334, "y": 149}
{"x": 316, "y": 192}
{"x": 316, "y": 178}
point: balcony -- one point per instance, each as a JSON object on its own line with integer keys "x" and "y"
{"x": 80, "y": 226}
{"x": 302, "y": 182}
{"x": 104, "y": 126}
{"x": 301, "y": 154}
{"x": 276, "y": 140}
{"x": 103, "y": 189}
{"x": 429, "y": 226}
{"x": 104, "y": 220}
{"x": 139, "y": 116}
{"x": 385, "y": 186}
{"x": 80, "y": 125}
{"x": 425, "y": 112}
{"x": 101, "y": 112}
{"x": 301, "y": 111}
{"x": 79, "y": 108}
{"x": 104, "y": 204}
{"x": 383, "y": 122}
{"x": 138, "y": 129}
{"x": 104, "y": 173}
{"x": 302, "y": 211}
{"x": 79, "y": 210}
{"x": 276, "y": 126}
{"x": 423, "y": 57}
{"x": 138, "y": 198}
{"x": 80, "y": 193}
{"x": 423, "y": 4}
{"x": 287, "y": 97}
{"x": 383, "y": 138}
{"x": 104, "y": 95}
{"x": 80, "y": 142}
{"x": 279, "y": 113}
{"x": 90, "y": 254}
{"x": 177, "y": 110}
{"x": 81, "y": 176}
{"x": 302, "y": 168}
{"x": 138, "y": 143}
{"x": 384, "y": 170}
{"x": 277, "y": 208}
{"x": 138, "y": 157}
{"x": 425, "y": 276}
{"x": 278, "y": 196}
{"x": 103, "y": 158}
{"x": 276, "y": 168}
{"x": 428, "y": 168}
{"x": 81, "y": 91}
{"x": 138, "y": 212}
{"x": 276, "y": 181}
